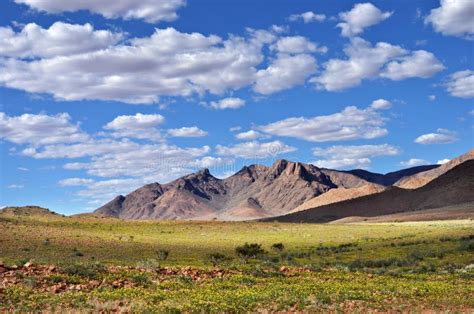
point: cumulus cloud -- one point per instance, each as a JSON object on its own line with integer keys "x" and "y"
{"x": 40, "y": 129}
{"x": 442, "y": 136}
{"x": 453, "y": 18}
{"x": 149, "y": 10}
{"x": 382, "y": 60}
{"x": 228, "y": 103}
{"x": 307, "y": 17}
{"x": 352, "y": 156}
{"x": 142, "y": 126}
{"x": 167, "y": 63}
{"x": 349, "y": 124}
{"x": 381, "y": 104}
{"x": 249, "y": 135}
{"x": 137, "y": 122}
{"x": 254, "y": 149}
{"x": 361, "y": 16}
{"x": 414, "y": 162}
{"x": 35, "y": 41}
{"x": 420, "y": 63}
{"x": 284, "y": 72}
{"x": 192, "y": 131}
{"x": 461, "y": 84}
{"x": 297, "y": 44}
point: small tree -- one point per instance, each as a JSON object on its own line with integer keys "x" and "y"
{"x": 278, "y": 247}
{"x": 251, "y": 250}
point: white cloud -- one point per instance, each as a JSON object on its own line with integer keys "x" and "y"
{"x": 353, "y": 156}
{"x": 349, "y": 124}
{"x": 453, "y": 17}
{"x": 284, "y": 72}
{"x": 414, "y": 162}
{"x": 420, "y": 63}
{"x": 75, "y": 182}
{"x": 361, "y": 16}
{"x": 235, "y": 128}
{"x": 364, "y": 62}
{"x": 92, "y": 147}
{"x": 383, "y": 60}
{"x": 23, "y": 169}
{"x": 15, "y": 186}
{"x": 432, "y": 97}
{"x": 142, "y": 126}
{"x": 149, "y": 10}
{"x": 442, "y": 136}
{"x": 35, "y": 41}
{"x": 192, "y": 131}
{"x": 296, "y": 44}
{"x": 307, "y": 17}
{"x": 168, "y": 63}
{"x": 249, "y": 135}
{"x": 443, "y": 161}
{"x": 381, "y": 104}
{"x": 254, "y": 149}
{"x": 40, "y": 129}
{"x": 461, "y": 84}
{"x": 356, "y": 151}
{"x": 228, "y": 103}
{"x": 344, "y": 163}
{"x": 137, "y": 122}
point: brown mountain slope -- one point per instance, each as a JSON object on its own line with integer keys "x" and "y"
{"x": 339, "y": 195}
{"x": 453, "y": 187}
{"x": 458, "y": 211}
{"x": 422, "y": 178}
{"x": 253, "y": 192}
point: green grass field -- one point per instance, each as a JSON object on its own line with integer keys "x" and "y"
{"x": 193, "y": 266}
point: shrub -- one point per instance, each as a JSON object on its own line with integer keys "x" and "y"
{"x": 278, "y": 247}
{"x": 163, "y": 254}
{"x": 467, "y": 245}
{"x": 150, "y": 264}
{"x": 217, "y": 258}
{"x": 251, "y": 250}
{"x": 140, "y": 279}
{"x": 85, "y": 270}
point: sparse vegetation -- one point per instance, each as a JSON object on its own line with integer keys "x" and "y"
{"x": 249, "y": 250}
{"x": 229, "y": 267}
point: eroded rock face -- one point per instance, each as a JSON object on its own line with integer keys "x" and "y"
{"x": 253, "y": 192}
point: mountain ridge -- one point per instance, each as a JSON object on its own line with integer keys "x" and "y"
{"x": 255, "y": 191}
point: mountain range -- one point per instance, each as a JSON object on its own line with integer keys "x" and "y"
{"x": 285, "y": 189}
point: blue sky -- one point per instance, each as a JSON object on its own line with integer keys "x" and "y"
{"x": 99, "y": 99}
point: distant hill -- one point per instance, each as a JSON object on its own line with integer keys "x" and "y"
{"x": 456, "y": 186}
{"x": 391, "y": 177}
{"x": 253, "y": 192}
{"x": 417, "y": 180}
{"x": 27, "y": 211}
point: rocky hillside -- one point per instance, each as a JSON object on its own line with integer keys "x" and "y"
{"x": 253, "y": 192}
{"x": 451, "y": 188}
